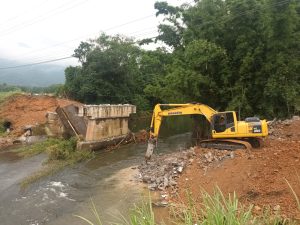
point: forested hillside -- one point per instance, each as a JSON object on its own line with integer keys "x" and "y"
{"x": 240, "y": 55}
{"x": 37, "y": 76}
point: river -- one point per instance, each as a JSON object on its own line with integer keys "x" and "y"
{"x": 107, "y": 180}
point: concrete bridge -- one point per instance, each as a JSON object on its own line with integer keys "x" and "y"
{"x": 96, "y": 125}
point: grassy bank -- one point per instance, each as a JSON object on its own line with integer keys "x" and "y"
{"x": 214, "y": 209}
{"x": 5, "y": 95}
{"x": 60, "y": 152}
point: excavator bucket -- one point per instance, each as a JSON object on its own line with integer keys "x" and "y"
{"x": 150, "y": 148}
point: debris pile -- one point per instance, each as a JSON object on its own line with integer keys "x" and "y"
{"x": 141, "y": 136}
{"x": 5, "y": 142}
{"x": 280, "y": 128}
{"x": 213, "y": 157}
{"x": 163, "y": 170}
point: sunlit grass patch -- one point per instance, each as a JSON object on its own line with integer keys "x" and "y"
{"x": 5, "y": 95}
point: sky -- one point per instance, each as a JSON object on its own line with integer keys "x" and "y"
{"x": 40, "y": 30}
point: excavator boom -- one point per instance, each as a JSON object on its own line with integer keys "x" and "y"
{"x": 180, "y": 109}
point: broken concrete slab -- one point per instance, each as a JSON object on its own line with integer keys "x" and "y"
{"x": 95, "y": 125}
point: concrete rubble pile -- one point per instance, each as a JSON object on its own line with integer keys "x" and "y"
{"x": 275, "y": 127}
{"x": 163, "y": 171}
{"x": 213, "y": 157}
{"x": 5, "y": 142}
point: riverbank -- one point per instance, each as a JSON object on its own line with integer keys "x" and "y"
{"x": 260, "y": 178}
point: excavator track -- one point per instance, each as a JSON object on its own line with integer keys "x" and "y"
{"x": 225, "y": 144}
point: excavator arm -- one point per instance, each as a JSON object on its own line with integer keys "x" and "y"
{"x": 174, "y": 110}
{"x": 177, "y": 110}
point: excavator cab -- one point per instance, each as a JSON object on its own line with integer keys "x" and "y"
{"x": 223, "y": 121}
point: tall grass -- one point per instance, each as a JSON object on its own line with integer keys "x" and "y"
{"x": 215, "y": 209}
{"x": 141, "y": 214}
{"x": 95, "y": 213}
{"x": 293, "y": 191}
{"x": 5, "y": 95}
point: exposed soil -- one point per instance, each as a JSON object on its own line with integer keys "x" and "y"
{"x": 23, "y": 110}
{"x": 258, "y": 177}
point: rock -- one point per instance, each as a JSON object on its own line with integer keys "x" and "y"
{"x": 158, "y": 180}
{"x": 180, "y": 169}
{"x": 164, "y": 196}
{"x": 160, "y": 187}
{"x": 257, "y": 208}
{"x": 296, "y": 118}
{"x": 172, "y": 183}
{"x": 164, "y": 203}
{"x": 35, "y": 139}
{"x": 232, "y": 155}
{"x": 152, "y": 187}
{"x": 161, "y": 204}
{"x": 250, "y": 156}
{"x": 276, "y": 208}
{"x": 209, "y": 157}
{"x": 146, "y": 179}
{"x": 166, "y": 182}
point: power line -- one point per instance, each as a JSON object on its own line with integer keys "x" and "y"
{"x": 71, "y": 51}
{"x": 36, "y": 63}
{"x": 78, "y": 38}
{"x": 41, "y": 18}
{"x": 129, "y": 22}
{"x": 22, "y": 13}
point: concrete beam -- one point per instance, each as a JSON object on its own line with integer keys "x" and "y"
{"x": 106, "y": 111}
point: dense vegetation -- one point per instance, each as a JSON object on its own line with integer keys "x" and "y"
{"x": 40, "y": 75}
{"x": 230, "y": 54}
{"x": 53, "y": 89}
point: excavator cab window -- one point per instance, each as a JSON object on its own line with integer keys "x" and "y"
{"x": 223, "y": 121}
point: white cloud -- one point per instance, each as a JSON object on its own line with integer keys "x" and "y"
{"x": 54, "y": 28}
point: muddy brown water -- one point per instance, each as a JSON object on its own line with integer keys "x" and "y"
{"x": 107, "y": 180}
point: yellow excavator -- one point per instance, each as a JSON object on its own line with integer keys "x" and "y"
{"x": 226, "y": 132}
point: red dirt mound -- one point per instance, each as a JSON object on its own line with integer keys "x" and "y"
{"x": 259, "y": 177}
{"x": 22, "y": 110}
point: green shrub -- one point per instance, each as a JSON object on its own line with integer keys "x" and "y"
{"x": 2, "y": 127}
{"x": 62, "y": 150}
{"x": 61, "y": 153}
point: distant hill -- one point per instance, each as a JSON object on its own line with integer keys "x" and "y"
{"x": 38, "y": 76}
